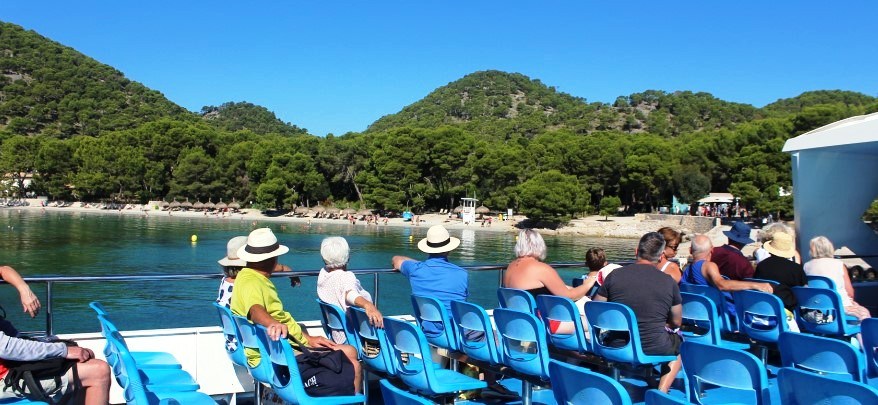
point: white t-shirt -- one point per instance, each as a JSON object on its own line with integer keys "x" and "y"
{"x": 605, "y": 271}
{"x": 832, "y": 269}
{"x": 332, "y": 286}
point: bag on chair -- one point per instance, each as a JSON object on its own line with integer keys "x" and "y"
{"x": 325, "y": 372}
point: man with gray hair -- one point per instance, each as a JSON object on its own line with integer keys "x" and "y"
{"x": 654, "y": 297}
{"x": 704, "y": 272}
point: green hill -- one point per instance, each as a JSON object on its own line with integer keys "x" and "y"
{"x": 247, "y": 116}
{"x": 818, "y": 97}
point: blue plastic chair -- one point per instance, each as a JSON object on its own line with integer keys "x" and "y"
{"x": 869, "y": 333}
{"x": 418, "y": 370}
{"x": 287, "y": 382}
{"x": 552, "y": 309}
{"x": 137, "y": 391}
{"x": 429, "y": 309}
{"x": 471, "y": 317}
{"x": 20, "y": 401}
{"x": 232, "y": 336}
{"x": 820, "y": 311}
{"x": 335, "y": 320}
{"x": 383, "y": 361}
{"x": 821, "y": 282}
{"x": 261, "y": 371}
{"x": 717, "y": 375}
{"x": 729, "y": 323}
{"x": 577, "y": 385}
{"x": 762, "y": 317}
{"x": 801, "y": 387}
{"x": 828, "y": 357}
{"x": 515, "y": 299}
{"x": 392, "y": 395}
{"x": 143, "y": 359}
{"x": 656, "y": 397}
{"x": 615, "y": 317}
{"x": 524, "y": 346}
{"x": 702, "y": 323}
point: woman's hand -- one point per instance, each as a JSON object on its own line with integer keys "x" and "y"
{"x": 375, "y": 317}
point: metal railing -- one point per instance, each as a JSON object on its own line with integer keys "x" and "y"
{"x": 50, "y": 281}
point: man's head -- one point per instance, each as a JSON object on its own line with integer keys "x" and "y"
{"x": 650, "y": 247}
{"x": 530, "y": 243}
{"x": 701, "y": 247}
{"x": 438, "y": 241}
{"x": 335, "y": 253}
{"x": 595, "y": 259}
{"x": 262, "y": 250}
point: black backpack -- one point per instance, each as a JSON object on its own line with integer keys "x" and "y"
{"x": 24, "y": 379}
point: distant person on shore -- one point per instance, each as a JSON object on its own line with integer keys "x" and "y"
{"x": 599, "y": 267}
{"x": 339, "y": 287}
{"x": 765, "y": 236}
{"x": 256, "y": 298}
{"x": 728, "y": 257}
{"x": 704, "y": 272}
{"x": 823, "y": 263}
{"x": 528, "y": 272}
{"x": 655, "y": 300}
{"x": 673, "y": 238}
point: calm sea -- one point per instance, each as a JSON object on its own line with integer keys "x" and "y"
{"x": 93, "y": 244}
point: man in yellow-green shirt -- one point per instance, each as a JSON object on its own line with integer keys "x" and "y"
{"x": 255, "y": 297}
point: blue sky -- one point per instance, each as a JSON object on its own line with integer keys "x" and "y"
{"x": 338, "y": 66}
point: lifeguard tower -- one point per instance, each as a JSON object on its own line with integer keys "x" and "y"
{"x": 468, "y": 210}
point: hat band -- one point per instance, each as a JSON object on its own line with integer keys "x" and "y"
{"x": 256, "y": 250}
{"x": 438, "y": 244}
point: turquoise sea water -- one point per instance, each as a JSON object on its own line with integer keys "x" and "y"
{"x": 92, "y": 244}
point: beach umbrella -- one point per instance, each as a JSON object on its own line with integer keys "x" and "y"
{"x": 302, "y": 210}
{"x": 482, "y": 210}
{"x": 458, "y": 209}
{"x": 234, "y": 205}
{"x": 319, "y": 208}
{"x": 174, "y": 204}
{"x": 165, "y": 204}
{"x": 220, "y": 205}
{"x": 198, "y": 205}
{"x": 209, "y": 205}
{"x": 348, "y": 211}
{"x": 364, "y": 211}
{"x": 186, "y": 204}
{"x": 332, "y": 210}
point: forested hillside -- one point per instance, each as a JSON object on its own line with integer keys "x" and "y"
{"x": 85, "y": 132}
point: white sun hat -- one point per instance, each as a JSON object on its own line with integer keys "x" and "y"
{"x": 232, "y": 247}
{"x": 438, "y": 241}
{"x": 261, "y": 245}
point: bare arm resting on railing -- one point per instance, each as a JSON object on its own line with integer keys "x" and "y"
{"x": 29, "y": 301}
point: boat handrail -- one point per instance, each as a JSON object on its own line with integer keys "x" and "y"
{"x": 49, "y": 281}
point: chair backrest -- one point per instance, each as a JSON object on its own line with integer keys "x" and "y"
{"x": 368, "y": 335}
{"x": 656, "y": 397}
{"x": 391, "y": 395}
{"x": 232, "y": 335}
{"x": 128, "y": 376}
{"x": 97, "y": 307}
{"x": 416, "y": 370}
{"x": 729, "y": 323}
{"x": 831, "y": 358}
{"x": 335, "y": 320}
{"x": 251, "y": 341}
{"x": 515, "y": 299}
{"x": 741, "y": 375}
{"x": 820, "y": 311}
{"x": 700, "y": 319}
{"x": 523, "y": 342}
{"x": 802, "y": 387}
{"x": 869, "y": 333}
{"x": 821, "y": 282}
{"x": 429, "y": 309}
{"x": 615, "y": 335}
{"x": 554, "y": 310}
{"x": 761, "y": 315}
{"x": 471, "y": 317}
{"x": 577, "y": 385}
{"x": 287, "y": 381}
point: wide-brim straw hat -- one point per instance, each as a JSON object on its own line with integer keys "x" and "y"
{"x": 438, "y": 241}
{"x": 232, "y": 259}
{"x": 261, "y": 245}
{"x": 781, "y": 244}
{"x": 740, "y": 233}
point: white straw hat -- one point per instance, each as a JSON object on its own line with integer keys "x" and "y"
{"x": 261, "y": 245}
{"x": 232, "y": 247}
{"x": 438, "y": 241}
{"x": 781, "y": 244}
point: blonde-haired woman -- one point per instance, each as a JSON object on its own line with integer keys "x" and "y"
{"x": 823, "y": 263}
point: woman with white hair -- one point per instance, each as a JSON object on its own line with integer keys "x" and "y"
{"x": 767, "y": 234}
{"x": 337, "y": 286}
{"x": 823, "y": 263}
{"x": 528, "y": 272}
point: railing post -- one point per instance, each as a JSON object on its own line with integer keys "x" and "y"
{"x": 49, "y": 327}
{"x": 375, "y": 286}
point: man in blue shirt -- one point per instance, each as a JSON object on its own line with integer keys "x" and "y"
{"x": 435, "y": 277}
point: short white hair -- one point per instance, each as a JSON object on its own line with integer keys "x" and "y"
{"x": 821, "y": 247}
{"x": 701, "y": 244}
{"x": 530, "y": 243}
{"x": 768, "y": 232}
{"x": 335, "y": 252}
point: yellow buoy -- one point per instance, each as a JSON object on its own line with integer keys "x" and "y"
{"x": 194, "y": 238}
{"x": 411, "y": 237}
